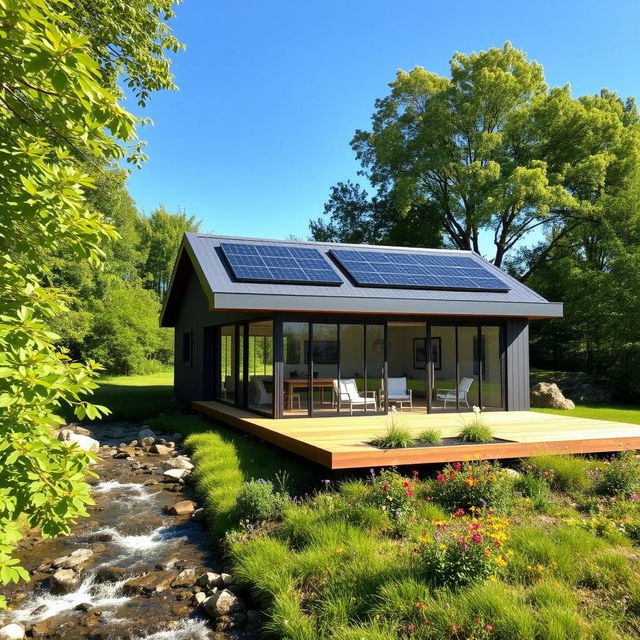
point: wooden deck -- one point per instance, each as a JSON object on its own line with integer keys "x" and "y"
{"x": 341, "y": 442}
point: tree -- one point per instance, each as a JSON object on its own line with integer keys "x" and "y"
{"x": 57, "y": 113}
{"x": 161, "y": 236}
{"x": 492, "y": 149}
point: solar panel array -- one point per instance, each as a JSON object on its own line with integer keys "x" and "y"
{"x": 417, "y": 271}
{"x": 279, "y": 263}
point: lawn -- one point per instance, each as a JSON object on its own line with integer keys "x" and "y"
{"x": 615, "y": 412}
{"x": 135, "y": 397}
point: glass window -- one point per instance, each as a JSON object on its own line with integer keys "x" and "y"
{"x": 492, "y": 395}
{"x": 375, "y": 366}
{"x": 227, "y": 369}
{"x": 260, "y": 366}
{"x": 468, "y": 368}
{"x": 324, "y": 358}
{"x": 295, "y": 342}
{"x": 351, "y": 365}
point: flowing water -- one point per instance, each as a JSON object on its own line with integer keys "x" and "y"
{"x": 127, "y": 530}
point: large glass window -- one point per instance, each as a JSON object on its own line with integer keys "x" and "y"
{"x": 468, "y": 367}
{"x": 228, "y": 365}
{"x": 324, "y": 358}
{"x": 443, "y": 368}
{"x": 260, "y": 366}
{"x": 295, "y": 345}
{"x": 374, "y": 382}
{"x": 492, "y": 390}
{"x": 352, "y": 372}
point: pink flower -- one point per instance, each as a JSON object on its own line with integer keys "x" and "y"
{"x": 409, "y": 493}
{"x": 477, "y": 538}
{"x": 457, "y": 466}
{"x": 634, "y": 496}
{"x": 458, "y": 513}
{"x": 440, "y": 479}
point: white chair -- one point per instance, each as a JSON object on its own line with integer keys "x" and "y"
{"x": 450, "y": 394}
{"x": 259, "y": 394}
{"x": 346, "y": 390}
{"x": 398, "y": 393}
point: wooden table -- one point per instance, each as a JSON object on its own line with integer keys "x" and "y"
{"x": 303, "y": 383}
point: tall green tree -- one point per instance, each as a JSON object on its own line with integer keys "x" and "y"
{"x": 492, "y": 149}
{"x": 161, "y": 236}
{"x": 58, "y": 112}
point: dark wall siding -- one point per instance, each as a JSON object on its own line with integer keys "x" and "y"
{"x": 518, "y": 365}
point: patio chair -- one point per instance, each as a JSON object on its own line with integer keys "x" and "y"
{"x": 259, "y": 395}
{"x": 450, "y": 394}
{"x": 346, "y": 390}
{"x": 398, "y": 393}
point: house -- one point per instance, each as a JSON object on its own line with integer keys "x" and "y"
{"x": 288, "y": 328}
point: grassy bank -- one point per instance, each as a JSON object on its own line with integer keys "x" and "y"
{"x": 615, "y": 412}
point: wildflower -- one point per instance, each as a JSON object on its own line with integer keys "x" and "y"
{"x": 406, "y": 484}
{"x": 415, "y": 473}
{"x": 340, "y": 549}
{"x": 488, "y": 627}
{"x": 457, "y": 466}
{"x": 385, "y": 486}
{"x": 476, "y": 410}
{"x": 440, "y": 479}
{"x": 411, "y": 627}
{"x": 458, "y": 513}
{"x": 409, "y": 493}
{"x": 469, "y": 481}
{"x": 634, "y": 496}
{"x": 477, "y": 538}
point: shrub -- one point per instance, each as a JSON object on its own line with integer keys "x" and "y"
{"x": 475, "y": 429}
{"x": 465, "y": 550}
{"x": 620, "y": 476}
{"x": 535, "y": 488}
{"x": 257, "y": 500}
{"x": 394, "y": 495}
{"x": 570, "y": 474}
{"x": 429, "y": 436}
{"x": 472, "y": 484}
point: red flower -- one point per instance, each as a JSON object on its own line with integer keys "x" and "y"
{"x": 488, "y": 627}
{"x": 411, "y": 627}
{"x": 409, "y": 493}
{"x": 405, "y": 484}
{"x": 385, "y": 486}
{"x": 476, "y": 537}
{"x": 458, "y": 513}
{"x": 457, "y": 466}
{"x": 440, "y": 479}
{"x": 415, "y": 473}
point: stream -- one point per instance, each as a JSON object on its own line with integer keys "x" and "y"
{"x": 129, "y": 535}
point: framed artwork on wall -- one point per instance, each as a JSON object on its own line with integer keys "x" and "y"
{"x": 420, "y": 353}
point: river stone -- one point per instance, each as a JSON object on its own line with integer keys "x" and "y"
{"x": 182, "y": 508}
{"x": 186, "y": 578}
{"x": 175, "y": 475}
{"x": 154, "y": 582}
{"x": 73, "y": 560}
{"x": 12, "y": 632}
{"x": 145, "y": 432}
{"x": 199, "y": 598}
{"x": 209, "y": 579}
{"x": 179, "y": 462}
{"x": 222, "y": 603}
{"x": 64, "y": 581}
{"x": 82, "y": 431}
{"x": 111, "y": 574}
{"x": 147, "y": 442}
{"x": 227, "y": 578}
{"x": 547, "y": 395}
{"x": 161, "y": 449}
{"x": 84, "y": 442}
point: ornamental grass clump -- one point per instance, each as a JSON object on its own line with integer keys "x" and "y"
{"x": 569, "y": 474}
{"x": 258, "y": 500}
{"x": 429, "y": 436}
{"x": 396, "y": 435}
{"x": 477, "y": 485}
{"x": 464, "y": 550}
{"x": 475, "y": 430}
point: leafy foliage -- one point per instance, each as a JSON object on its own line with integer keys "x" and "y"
{"x": 620, "y": 476}
{"x": 258, "y": 500}
{"x": 57, "y": 113}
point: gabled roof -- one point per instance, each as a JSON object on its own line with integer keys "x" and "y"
{"x": 202, "y": 253}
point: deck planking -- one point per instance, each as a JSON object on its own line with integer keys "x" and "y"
{"x": 340, "y": 442}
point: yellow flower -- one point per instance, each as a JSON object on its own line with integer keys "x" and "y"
{"x": 340, "y": 549}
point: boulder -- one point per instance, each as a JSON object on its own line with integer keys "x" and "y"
{"x": 179, "y": 462}
{"x": 82, "y": 431}
{"x": 227, "y": 578}
{"x": 12, "y": 632}
{"x": 84, "y": 442}
{"x": 64, "y": 581}
{"x": 222, "y": 603}
{"x": 111, "y": 574}
{"x": 182, "y": 508}
{"x": 145, "y": 432}
{"x": 209, "y": 580}
{"x": 154, "y": 582}
{"x": 161, "y": 449}
{"x": 175, "y": 475}
{"x": 186, "y": 578}
{"x": 147, "y": 442}
{"x": 199, "y": 598}
{"x": 74, "y": 560}
{"x": 548, "y": 396}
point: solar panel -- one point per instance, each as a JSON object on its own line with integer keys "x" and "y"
{"x": 417, "y": 271}
{"x": 279, "y": 263}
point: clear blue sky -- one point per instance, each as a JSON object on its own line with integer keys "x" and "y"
{"x": 272, "y": 92}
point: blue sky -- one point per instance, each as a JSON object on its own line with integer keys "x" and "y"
{"x": 272, "y": 92}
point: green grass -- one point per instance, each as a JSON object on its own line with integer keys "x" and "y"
{"x": 395, "y": 436}
{"x": 225, "y": 459}
{"x": 134, "y": 397}
{"x": 614, "y": 412}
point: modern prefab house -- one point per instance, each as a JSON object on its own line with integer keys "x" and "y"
{"x": 287, "y": 328}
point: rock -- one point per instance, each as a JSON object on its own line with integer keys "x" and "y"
{"x": 84, "y": 606}
{"x": 175, "y": 475}
{"x": 73, "y": 560}
{"x": 181, "y": 508}
{"x": 227, "y": 623}
{"x": 209, "y": 579}
{"x": 548, "y": 396}
{"x": 12, "y": 632}
{"x": 134, "y": 443}
{"x": 179, "y": 462}
{"x": 514, "y": 473}
{"x": 186, "y": 578}
{"x": 98, "y": 547}
{"x": 181, "y": 610}
{"x": 177, "y": 437}
{"x": 82, "y": 431}
{"x": 84, "y": 442}
{"x": 167, "y": 564}
{"x": 145, "y": 432}
{"x": 227, "y": 578}
{"x": 147, "y": 442}
{"x": 222, "y": 603}
{"x": 64, "y": 581}
{"x": 161, "y": 449}
{"x": 154, "y": 582}
{"x": 199, "y": 598}
{"x": 111, "y": 574}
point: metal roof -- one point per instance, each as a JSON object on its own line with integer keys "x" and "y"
{"x": 223, "y": 292}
